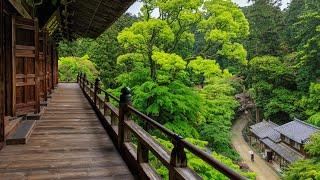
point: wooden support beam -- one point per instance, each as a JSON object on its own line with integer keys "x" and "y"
{"x": 20, "y": 8}
{"x": 2, "y": 80}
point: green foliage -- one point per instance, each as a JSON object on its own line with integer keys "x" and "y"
{"x": 69, "y": 67}
{"x": 102, "y": 51}
{"x": 282, "y": 102}
{"x": 269, "y": 80}
{"x": 304, "y": 169}
{"x": 309, "y": 63}
{"x": 216, "y": 115}
{"x": 315, "y": 119}
{"x": 174, "y": 102}
{"x": 163, "y": 62}
{"x": 198, "y": 165}
{"x": 313, "y": 147}
{"x": 266, "y": 27}
{"x": 311, "y": 104}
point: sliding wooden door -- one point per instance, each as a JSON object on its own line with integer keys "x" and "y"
{"x": 25, "y": 39}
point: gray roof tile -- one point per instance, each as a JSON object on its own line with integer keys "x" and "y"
{"x": 297, "y": 130}
{"x": 266, "y": 129}
{"x": 287, "y": 153}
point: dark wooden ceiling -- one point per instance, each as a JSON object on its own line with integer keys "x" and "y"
{"x": 81, "y": 18}
{"x": 89, "y": 18}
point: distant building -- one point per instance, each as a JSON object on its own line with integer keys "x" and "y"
{"x": 283, "y": 144}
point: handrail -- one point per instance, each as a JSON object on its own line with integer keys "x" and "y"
{"x": 155, "y": 124}
{"x": 120, "y": 127}
{"x": 110, "y": 95}
{"x": 211, "y": 161}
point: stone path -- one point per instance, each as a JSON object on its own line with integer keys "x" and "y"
{"x": 259, "y": 166}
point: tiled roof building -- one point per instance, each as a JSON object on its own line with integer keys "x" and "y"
{"x": 285, "y": 143}
{"x": 297, "y": 130}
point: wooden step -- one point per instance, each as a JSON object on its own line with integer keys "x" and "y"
{"x": 22, "y": 134}
{"x": 11, "y": 125}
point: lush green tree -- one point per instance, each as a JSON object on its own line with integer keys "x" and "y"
{"x": 105, "y": 50}
{"x": 304, "y": 169}
{"x": 266, "y": 26}
{"x": 281, "y": 107}
{"x": 69, "y": 67}
{"x": 167, "y": 76}
{"x": 310, "y": 52}
{"x": 270, "y": 82}
{"x": 76, "y": 48}
{"x": 311, "y": 104}
{"x": 313, "y": 147}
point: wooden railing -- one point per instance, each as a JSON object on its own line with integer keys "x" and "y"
{"x": 118, "y": 121}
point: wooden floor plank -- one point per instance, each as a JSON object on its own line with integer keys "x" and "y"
{"x": 68, "y": 142}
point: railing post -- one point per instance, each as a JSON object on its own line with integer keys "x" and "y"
{"x": 78, "y": 77}
{"x": 178, "y": 157}
{"x": 142, "y": 153}
{"x": 125, "y": 100}
{"x": 106, "y": 111}
{"x": 96, "y": 90}
{"x": 84, "y": 81}
{"x": 80, "y": 80}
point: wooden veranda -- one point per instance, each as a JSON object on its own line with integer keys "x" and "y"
{"x": 73, "y": 131}
{"x": 68, "y": 142}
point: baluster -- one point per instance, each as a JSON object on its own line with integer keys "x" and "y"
{"x": 124, "y": 133}
{"x": 91, "y": 91}
{"x": 80, "y": 81}
{"x": 113, "y": 119}
{"x": 142, "y": 153}
{"x": 78, "y": 77}
{"x": 84, "y": 81}
{"x": 178, "y": 157}
{"x": 96, "y": 90}
{"x": 105, "y": 109}
{"x": 99, "y": 102}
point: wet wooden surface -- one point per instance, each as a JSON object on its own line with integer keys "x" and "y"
{"x": 67, "y": 143}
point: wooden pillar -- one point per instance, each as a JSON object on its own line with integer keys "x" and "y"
{"x": 37, "y": 63}
{"x": 13, "y": 69}
{"x": 258, "y": 114}
{"x": 123, "y": 133}
{"x": 2, "y": 79}
{"x": 7, "y": 56}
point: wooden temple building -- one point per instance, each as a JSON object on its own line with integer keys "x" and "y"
{"x": 52, "y": 130}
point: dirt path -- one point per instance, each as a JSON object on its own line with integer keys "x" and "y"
{"x": 259, "y": 166}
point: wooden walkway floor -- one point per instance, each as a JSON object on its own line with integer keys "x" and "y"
{"x": 67, "y": 143}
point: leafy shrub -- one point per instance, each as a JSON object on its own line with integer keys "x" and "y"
{"x": 69, "y": 67}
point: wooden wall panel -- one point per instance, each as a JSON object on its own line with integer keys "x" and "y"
{"x": 2, "y": 79}
{"x": 25, "y": 65}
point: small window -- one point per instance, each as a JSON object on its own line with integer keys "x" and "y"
{"x": 287, "y": 140}
{"x": 297, "y": 146}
